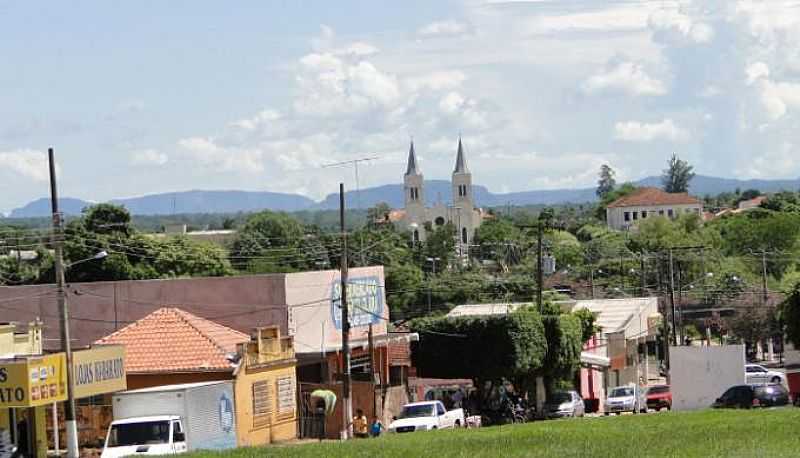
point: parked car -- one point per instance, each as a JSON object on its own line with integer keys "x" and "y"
{"x": 564, "y": 404}
{"x": 426, "y": 416}
{"x": 659, "y": 397}
{"x": 748, "y": 396}
{"x": 755, "y": 374}
{"x": 630, "y": 398}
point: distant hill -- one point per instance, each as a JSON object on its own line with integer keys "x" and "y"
{"x": 392, "y": 194}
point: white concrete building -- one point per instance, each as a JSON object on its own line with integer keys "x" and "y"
{"x": 418, "y": 218}
{"x": 648, "y": 203}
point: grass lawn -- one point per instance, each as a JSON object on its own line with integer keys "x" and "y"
{"x": 728, "y": 433}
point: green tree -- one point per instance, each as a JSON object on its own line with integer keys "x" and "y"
{"x": 606, "y": 183}
{"x": 619, "y": 192}
{"x": 677, "y": 176}
{"x": 441, "y": 243}
{"x": 790, "y": 315}
{"x": 784, "y": 201}
{"x": 107, "y": 219}
{"x": 272, "y": 242}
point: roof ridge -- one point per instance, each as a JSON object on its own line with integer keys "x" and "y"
{"x": 189, "y": 317}
{"x": 131, "y": 326}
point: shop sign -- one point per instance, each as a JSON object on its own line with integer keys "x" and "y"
{"x": 33, "y": 381}
{"x": 99, "y": 370}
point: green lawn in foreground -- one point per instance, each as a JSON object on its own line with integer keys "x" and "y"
{"x": 728, "y": 433}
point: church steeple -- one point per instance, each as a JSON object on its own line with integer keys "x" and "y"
{"x": 461, "y": 161}
{"x": 411, "y": 169}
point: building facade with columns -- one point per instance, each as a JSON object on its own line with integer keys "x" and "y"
{"x": 420, "y": 219}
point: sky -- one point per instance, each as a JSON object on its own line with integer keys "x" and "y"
{"x": 152, "y": 96}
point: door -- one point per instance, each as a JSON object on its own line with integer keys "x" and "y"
{"x": 178, "y": 438}
{"x": 444, "y": 420}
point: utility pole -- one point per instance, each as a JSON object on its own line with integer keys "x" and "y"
{"x": 643, "y": 275}
{"x": 591, "y": 278}
{"x": 71, "y": 425}
{"x": 539, "y": 275}
{"x": 672, "y": 299}
{"x": 371, "y": 345}
{"x": 346, "y": 398}
{"x": 358, "y": 191}
{"x": 764, "y": 292}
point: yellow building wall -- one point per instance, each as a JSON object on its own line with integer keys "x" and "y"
{"x": 253, "y": 429}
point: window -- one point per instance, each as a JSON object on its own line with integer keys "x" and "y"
{"x": 644, "y": 215}
{"x": 463, "y": 235}
{"x": 661, "y": 212}
{"x": 416, "y": 235}
{"x": 697, "y": 210}
{"x": 262, "y": 404}
{"x": 627, "y": 216}
{"x": 669, "y": 213}
{"x": 285, "y": 388}
{"x": 635, "y": 216}
{"x": 440, "y": 409}
{"x": 439, "y": 221}
{"x": 177, "y": 432}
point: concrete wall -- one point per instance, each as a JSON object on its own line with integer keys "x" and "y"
{"x": 615, "y": 216}
{"x": 100, "y": 308}
{"x": 137, "y": 381}
{"x": 699, "y": 375}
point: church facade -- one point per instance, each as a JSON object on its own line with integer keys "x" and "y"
{"x": 419, "y": 219}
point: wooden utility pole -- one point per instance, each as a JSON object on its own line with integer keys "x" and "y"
{"x": 371, "y": 344}
{"x": 71, "y": 425}
{"x": 672, "y": 299}
{"x": 539, "y": 274}
{"x": 347, "y": 400}
{"x": 764, "y": 291}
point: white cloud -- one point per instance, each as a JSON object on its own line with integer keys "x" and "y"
{"x": 674, "y": 26}
{"x": 263, "y": 117}
{"x": 635, "y": 131}
{"x": 624, "y": 77}
{"x": 329, "y": 84}
{"x": 27, "y": 163}
{"x": 756, "y": 71}
{"x": 448, "y": 27}
{"x": 604, "y": 18}
{"x": 149, "y": 157}
{"x": 436, "y": 81}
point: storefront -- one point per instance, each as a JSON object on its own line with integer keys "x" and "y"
{"x": 27, "y": 385}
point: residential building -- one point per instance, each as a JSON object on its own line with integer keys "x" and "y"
{"x": 419, "y": 219}
{"x": 648, "y": 202}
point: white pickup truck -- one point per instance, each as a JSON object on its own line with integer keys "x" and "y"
{"x": 426, "y": 416}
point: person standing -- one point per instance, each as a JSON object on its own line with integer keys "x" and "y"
{"x": 360, "y": 425}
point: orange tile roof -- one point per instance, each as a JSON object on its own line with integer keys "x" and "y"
{"x": 643, "y": 197}
{"x": 172, "y": 340}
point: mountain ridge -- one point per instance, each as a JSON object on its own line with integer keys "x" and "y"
{"x": 233, "y": 201}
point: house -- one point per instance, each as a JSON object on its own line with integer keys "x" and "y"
{"x": 171, "y": 346}
{"x": 748, "y": 204}
{"x": 649, "y": 202}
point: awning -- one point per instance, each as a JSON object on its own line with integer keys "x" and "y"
{"x": 382, "y": 340}
{"x": 592, "y": 359}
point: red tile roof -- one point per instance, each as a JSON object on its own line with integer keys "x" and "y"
{"x": 643, "y": 197}
{"x": 172, "y": 340}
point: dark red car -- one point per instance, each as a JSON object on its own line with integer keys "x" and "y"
{"x": 659, "y": 397}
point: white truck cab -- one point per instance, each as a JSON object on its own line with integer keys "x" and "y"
{"x": 156, "y": 435}
{"x": 426, "y": 416}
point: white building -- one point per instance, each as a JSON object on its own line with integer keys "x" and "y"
{"x": 418, "y": 218}
{"x": 648, "y": 203}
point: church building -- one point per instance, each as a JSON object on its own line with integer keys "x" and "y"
{"x": 419, "y": 219}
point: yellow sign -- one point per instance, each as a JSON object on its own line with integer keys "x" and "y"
{"x": 33, "y": 380}
{"x": 99, "y": 370}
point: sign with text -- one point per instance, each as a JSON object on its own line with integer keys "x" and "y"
{"x": 99, "y": 370}
{"x": 33, "y": 381}
{"x": 364, "y": 300}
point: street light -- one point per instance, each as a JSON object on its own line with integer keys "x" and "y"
{"x": 98, "y": 255}
{"x": 70, "y": 423}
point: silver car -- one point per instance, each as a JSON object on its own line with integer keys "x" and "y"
{"x": 564, "y": 404}
{"x": 629, "y": 398}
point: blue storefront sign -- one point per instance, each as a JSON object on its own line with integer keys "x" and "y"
{"x": 364, "y": 299}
